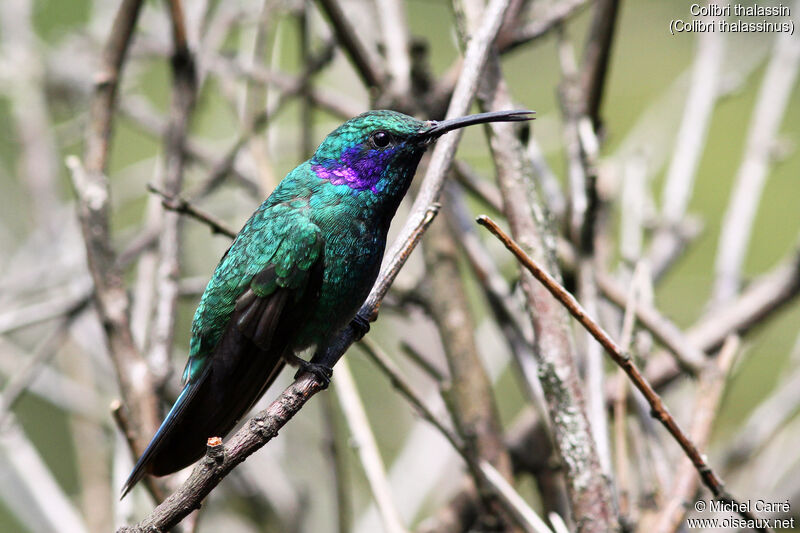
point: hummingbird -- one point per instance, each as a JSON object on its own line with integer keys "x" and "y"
{"x": 294, "y": 276}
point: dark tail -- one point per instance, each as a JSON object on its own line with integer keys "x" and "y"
{"x": 237, "y": 375}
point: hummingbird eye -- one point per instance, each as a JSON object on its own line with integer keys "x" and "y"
{"x": 380, "y": 139}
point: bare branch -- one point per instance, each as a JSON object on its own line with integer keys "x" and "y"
{"x": 394, "y": 27}
{"x": 659, "y": 410}
{"x": 597, "y": 57}
{"x": 510, "y": 500}
{"x": 336, "y": 452}
{"x": 707, "y": 400}
{"x": 690, "y": 140}
{"x": 221, "y": 458}
{"x": 557, "y": 14}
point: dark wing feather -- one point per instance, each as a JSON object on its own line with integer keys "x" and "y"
{"x": 247, "y": 359}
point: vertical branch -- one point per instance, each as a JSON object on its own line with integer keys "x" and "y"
{"x": 255, "y": 99}
{"x": 344, "y": 518}
{"x": 106, "y": 84}
{"x": 41, "y": 503}
{"x": 39, "y": 163}
{"x": 306, "y": 105}
{"x": 737, "y": 225}
{"x": 597, "y": 57}
{"x": 184, "y": 85}
{"x": 625, "y": 499}
{"x": 367, "y": 448}
{"x": 689, "y": 142}
{"x": 474, "y": 60}
{"x": 392, "y": 18}
{"x": 657, "y": 407}
{"x": 93, "y": 192}
{"x": 581, "y": 148}
{"x": 589, "y": 492}
{"x": 348, "y": 36}
{"x": 470, "y": 399}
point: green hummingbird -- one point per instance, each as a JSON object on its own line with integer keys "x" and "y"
{"x": 295, "y": 275}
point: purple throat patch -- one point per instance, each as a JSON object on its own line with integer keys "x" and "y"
{"x": 358, "y": 168}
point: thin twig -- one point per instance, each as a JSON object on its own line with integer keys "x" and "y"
{"x": 659, "y": 410}
{"x": 54, "y": 307}
{"x": 766, "y": 421}
{"x": 690, "y": 139}
{"x": 46, "y": 507}
{"x": 499, "y": 295}
{"x": 221, "y": 459}
{"x": 19, "y": 382}
{"x": 766, "y": 295}
{"x": 597, "y": 57}
{"x": 222, "y": 167}
{"x": 185, "y": 207}
{"x": 122, "y": 420}
{"x": 422, "y": 361}
{"x": 344, "y": 518}
{"x": 556, "y": 15}
{"x": 392, "y": 18}
{"x": 39, "y": 158}
{"x": 621, "y": 404}
{"x": 686, "y": 352}
{"x": 149, "y": 120}
{"x": 481, "y": 188}
{"x": 581, "y": 150}
{"x": 306, "y": 104}
{"x": 707, "y": 400}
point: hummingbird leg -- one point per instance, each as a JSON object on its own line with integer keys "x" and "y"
{"x": 321, "y": 371}
{"x": 321, "y": 365}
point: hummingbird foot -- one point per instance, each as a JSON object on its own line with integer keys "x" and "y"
{"x": 322, "y": 372}
{"x": 360, "y": 325}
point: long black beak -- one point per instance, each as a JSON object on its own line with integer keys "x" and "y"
{"x": 437, "y": 129}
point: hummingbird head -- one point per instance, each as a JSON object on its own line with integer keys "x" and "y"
{"x": 378, "y": 151}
